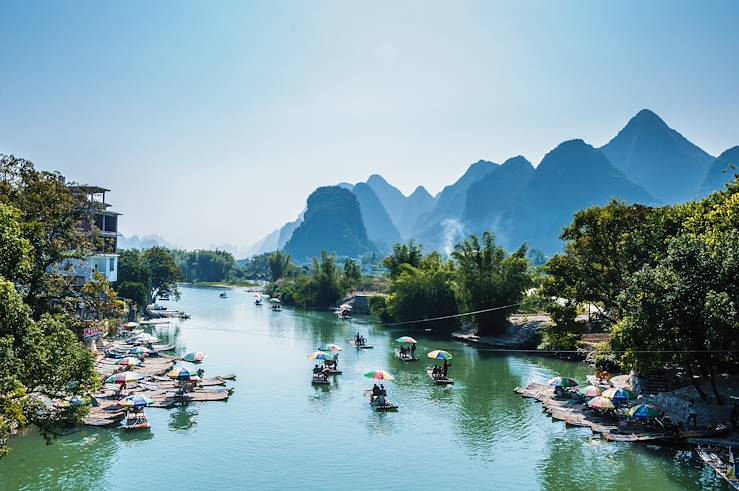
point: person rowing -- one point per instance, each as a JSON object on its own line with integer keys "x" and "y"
{"x": 358, "y": 341}
{"x": 375, "y": 393}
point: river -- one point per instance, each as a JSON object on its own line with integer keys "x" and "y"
{"x": 279, "y": 432}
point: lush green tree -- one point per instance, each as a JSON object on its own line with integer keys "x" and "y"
{"x": 488, "y": 277}
{"x": 205, "y": 265}
{"x": 98, "y": 300}
{"x": 410, "y": 254}
{"x": 15, "y": 250}
{"x": 279, "y": 265}
{"x": 164, "y": 273}
{"x": 352, "y": 275}
{"x": 257, "y": 267}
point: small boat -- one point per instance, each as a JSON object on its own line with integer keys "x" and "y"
{"x": 360, "y": 346}
{"x": 405, "y": 357}
{"x": 228, "y": 376}
{"x": 319, "y": 380}
{"x": 136, "y": 420}
{"x": 223, "y": 295}
{"x": 439, "y": 380}
{"x": 386, "y": 406}
{"x": 712, "y": 457}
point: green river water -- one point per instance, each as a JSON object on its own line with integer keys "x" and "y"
{"x": 279, "y": 432}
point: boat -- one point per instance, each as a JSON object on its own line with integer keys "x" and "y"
{"x": 319, "y": 380}
{"x": 223, "y": 295}
{"x": 439, "y": 380}
{"x": 613, "y": 436}
{"x": 228, "y": 376}
{"x": 360, "y": 346}
{"x": 387, "y": 406}
{"x": 404, "y": 357}
{"x": 712, "y": 457}
{"x": 334, "y": 371}
{"x": 136, "y": 420}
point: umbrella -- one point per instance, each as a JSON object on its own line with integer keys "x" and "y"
{"x": 320, "y": 355}
{"x": 601, "y": 403}
{"x": 181, "y": 373}
{"x": 643, "y": 411}
{"x": 379, "y": 375}
{"x": 129, "y": 361}
{"x": 130, "y": 325}
{"x": 406, "y": 340}
{"x": 144, "y": 338}
{"x": 195, "y": 357}
{"x": 124, "y": 378}
{"x": 135, "y": 402}
{"x": 618, "y": 394}
{"x": 140, "y": 351}
{"x": 440, "y": 355}
{"x": 590, "y": 391}
{"x": 275, "y": 300}
{"x": 562, "y": 382}
{"x": 330, "y": 347}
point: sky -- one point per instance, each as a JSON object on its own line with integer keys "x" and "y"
{"x": 211, "y": 122}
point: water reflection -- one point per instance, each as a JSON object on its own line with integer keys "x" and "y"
{"x": 183, "y": 418}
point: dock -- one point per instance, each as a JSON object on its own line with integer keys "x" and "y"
{"x": 712, "y": 457}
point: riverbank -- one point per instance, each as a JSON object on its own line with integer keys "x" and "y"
{"x": 523, "y": 332}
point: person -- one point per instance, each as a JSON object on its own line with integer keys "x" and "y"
{"x": 200, "y": 372}
{"x": 336, "y": 361}
{"x": 383, "y": 394}
{"x": 358, "y": 341}
{"x": 435, "y": 371}
{"x": 316, "y": 371}
{"x": 413, "y": 351}
{"x": 692, "y": 415}
{"x": 735, "y": 416}
{"x": 445, "y": 369}
{"x": 325, "y": 372}
{"x": 375, "y": 393}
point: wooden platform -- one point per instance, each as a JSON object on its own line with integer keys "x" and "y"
{"x": 388, "y": 406}
{"x": 361, "y": 346}
{"x": 712, "y": 457}
{"x": 439, "y": 381}
{"x": 320, "y": 381}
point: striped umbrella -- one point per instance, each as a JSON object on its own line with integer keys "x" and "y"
{"x": 140, "y": 351}
{"x": 440, "y": 355}
{"x": 135, "y": 402}
{"x": 129, "y": 361}
{"x": 334, "y": 348}
{"x": 379, "y": 375}
{"x": 130, "y": 325}
{"x": 562, "y": 382}
{"x": 195, "y": 357}
{"x": 181, "y": 373}
{"x": 643, "y": 412}
{"x": 406, "y": 340}
{"x": 124, "y": 378}
{"x": 321, "y": 355}
{"x": 590, "y": 391}
{"x": 619, "y": 394}
{"x": 601, "y": 403}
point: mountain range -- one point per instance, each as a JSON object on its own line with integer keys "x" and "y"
{"x": 646, "y": 162}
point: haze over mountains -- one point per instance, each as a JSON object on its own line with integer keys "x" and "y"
{"x": 646, "y": 162}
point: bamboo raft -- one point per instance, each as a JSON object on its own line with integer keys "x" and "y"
{"x": 439, "y": 380}
{"x": 712, "y": 458}
{"x": 320, "y": 381}
{"x": 405, "y": 358}
{"x": 360, "y": 346}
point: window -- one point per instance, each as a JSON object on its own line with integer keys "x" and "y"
{"x": 112, "y": 264}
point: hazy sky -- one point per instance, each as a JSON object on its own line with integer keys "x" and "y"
{"x": 213, "y": 121}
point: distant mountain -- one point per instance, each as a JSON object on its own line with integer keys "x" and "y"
{"x": 286, "y": 232}
{"x": 390, "y": 196}
{"x": 658, "y": 158}
{"x": 417, "y": 204}
{"x": 720, "y": 171}
{"x": 143, "y": 242}
{"x": 380, "y": 228}
{"x": 332, "y": 222}
{"x": 443, "y": 224}
{"x": 570, "y": 178}
{"x": 491, "y": 196}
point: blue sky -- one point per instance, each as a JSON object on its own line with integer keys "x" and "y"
{"x": 213, "y": 121}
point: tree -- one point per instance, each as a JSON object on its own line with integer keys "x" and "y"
{"x": 352, "y": 275}
{"x": 279, "y": 265}
{"x": 164, "y": 273}
{"x": 410, "y": 254}
{"x": 487, "y": 277}
{"x": 99, "y": 300}
{"x": 15, "y": 249}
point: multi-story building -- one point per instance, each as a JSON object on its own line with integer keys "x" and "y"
{"x": 104, "y": 236}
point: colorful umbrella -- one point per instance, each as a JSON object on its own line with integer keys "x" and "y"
{"x": 590, "y": 391}
{"x": 440, "y": 355}
{"x": 129, "y": 361}
{"x": 643, "y": 411}
{"x": 334, "y": 348}
{"x": 140, "y": 351}
{"x": 406, "y": 340}
{"x": 320, "y": 355}
{"x": 601, "y": 403}
{"x": 562, "y": 382}
{"x": 379, "y": 375}
{"x": 124, "y": 378}
{"x": 181, "y": 373}
{"x": 130, "y": 325}
{"x": 135, "y": 402}
{"x": 275, "y": 300}
{"x": 144, "y": 338}
{"x": 195, "y": 357}
{"x": 619, "y": 394}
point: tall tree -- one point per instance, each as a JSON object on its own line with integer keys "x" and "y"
{"x": 410, "y": 254}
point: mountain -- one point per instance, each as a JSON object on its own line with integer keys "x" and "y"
{"x": 443, "y": 225}
{"x": 390, "y": 196}
{"x": 380, "y": 228}
{"x": 286, "y": 232}
{"x": 332, "y": 222}
{"x": 491, "y": 196}
{"x": 143, "y": 242}
{"x": 570, "y": 178}
{"x": 658, "y": 158}
{"x": 720, "y": 172}
{"x": 417, "y": 204}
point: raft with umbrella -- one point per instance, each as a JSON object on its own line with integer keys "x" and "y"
{"x": 406, "y": 355}
{"x": 439, "y": 378}
{"x": 124, "y": 378}
{"x": 129, "y": 361}
{"x": 318, "y": 378}
{"x": 195, "y": 357}
{"x": 380, "y": 403}
{"x": 601, "y": 403}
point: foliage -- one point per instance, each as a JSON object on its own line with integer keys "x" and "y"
{"x": 564, "y": 331}
{"x": 99, "y": 300}
{"x": 410, "y": 254}
{"x": 279, "y": 265}
{"x": 15, "y": 249}
{"x": 143, "y": 276}
{"x": 205, "y": 265}
{"x": 257, "y": 267}
{"x": 321, "y": 288}
{"x": 352, "y": 275}
{"x": 487, "y": 277}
